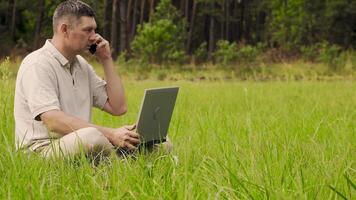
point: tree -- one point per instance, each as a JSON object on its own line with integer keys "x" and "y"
{"x": 162, "y": 38}
{"x": 123, "y": 26}
{"x": 39, "y": 19}
{"x": 114, "y": 29}
{"x": 108, "y": 8}
{"x": 12, "y": 5}
{"x": 191, "y": 28}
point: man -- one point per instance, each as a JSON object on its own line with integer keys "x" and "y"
{"x": 56, "y": 90}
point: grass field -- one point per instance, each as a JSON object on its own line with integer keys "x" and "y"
{"x": 233, "y": 140}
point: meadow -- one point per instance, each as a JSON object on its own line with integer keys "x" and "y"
{"x": 232, "y": 140}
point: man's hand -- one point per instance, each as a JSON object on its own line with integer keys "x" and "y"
{"x": 124, "y": 137}
{"x": 103, "y": 51}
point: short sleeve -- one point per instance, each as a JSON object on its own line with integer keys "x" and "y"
{"x": 98, "y": 87}
{"x": 40, "y": 89}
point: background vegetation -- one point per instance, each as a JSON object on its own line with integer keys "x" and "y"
{"x": 239, "y": 35}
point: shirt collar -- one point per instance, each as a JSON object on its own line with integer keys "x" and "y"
{"x": 58, "y": 56}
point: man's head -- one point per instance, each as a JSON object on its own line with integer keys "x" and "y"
{"x": 74, "y": 25}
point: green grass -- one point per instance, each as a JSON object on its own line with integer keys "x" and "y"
{"x": 233, "y": 140}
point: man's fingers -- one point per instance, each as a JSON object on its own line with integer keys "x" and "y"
{"x": 130, "y": 146}
{"x": 102, "y": 44}
{"x": 98, "y": 38}
{"x": 133, "y": 140}
{"x": 130, "y": 127}
{"x": 133, "y": 134}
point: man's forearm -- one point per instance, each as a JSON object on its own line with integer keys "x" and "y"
{"x": 62, "y": 123}
{"x": 114, "y": 88}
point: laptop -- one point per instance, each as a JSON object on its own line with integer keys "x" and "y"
{"x": 155, "y": 114}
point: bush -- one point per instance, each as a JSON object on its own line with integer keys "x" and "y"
{"x": 310, "y": 53}
{"x": 248, "y": 54}
{"x": 162, "y": 39}
{"x": 331, "y": 55}
{"x": 226, "y": 52}
{"x": 201, "y": 53}
{"x": 243, "y": 59}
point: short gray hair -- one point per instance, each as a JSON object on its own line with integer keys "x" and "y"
{"x": 71, "y": 8}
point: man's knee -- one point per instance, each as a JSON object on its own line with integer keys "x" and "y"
{"x": 92, "y": 137}
{"x": 89, "y": 140}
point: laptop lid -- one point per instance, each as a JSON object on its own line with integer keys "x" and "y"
{"x": 155, "y": 113}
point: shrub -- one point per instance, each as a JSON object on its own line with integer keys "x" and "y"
{"x": 201, "y": 53}
{"x": 310, "y": 53}
{"x": 248, "y": 54}
{"x": 226, "y": 52}
{"x": 331, "y": 55}
{"x": 162, "y": 39}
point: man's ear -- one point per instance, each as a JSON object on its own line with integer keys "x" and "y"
{"x": 63, "y": 29}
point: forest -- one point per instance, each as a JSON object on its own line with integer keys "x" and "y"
{"x": 182, "y": 31}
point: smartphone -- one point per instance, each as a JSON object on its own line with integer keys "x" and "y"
{"x": 92, "y": 48}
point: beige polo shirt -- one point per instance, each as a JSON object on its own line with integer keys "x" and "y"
{"x": 47, "y": 81}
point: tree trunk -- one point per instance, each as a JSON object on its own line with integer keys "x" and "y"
{"x": 241, "y": 24}
{"x": 152, "y": 7}
{"x": 129, "y": 13}
{"x": 10, "y": 6}
{"x": 108, "y": 8}
{"x": 142, "y": 11}
{"x": 114, "y": 29}
{"x": 123, "y": 25}
{"x": 248, "y": 21}
{"x": 39, "y": 19}
{"x": 235, "y": 25}
{"x": 181, "y": 6}
{"x": 222, "y": 23}
{"x": 134, "y": 21}
{"x": 13, "y": 20}
{"x": 211, "y": 38}
{"x": 186, "y": 13}
{"x": 191, "y": 26}
{"x": 227, "y": 18}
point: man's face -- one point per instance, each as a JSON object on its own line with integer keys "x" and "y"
{"x": 81, "y": 34}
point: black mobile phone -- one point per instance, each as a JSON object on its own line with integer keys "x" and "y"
{"x": 92, "y": 48}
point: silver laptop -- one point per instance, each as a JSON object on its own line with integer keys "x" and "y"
{"x": 155, "y": 114}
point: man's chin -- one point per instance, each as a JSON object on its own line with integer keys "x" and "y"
{"x": 82, "y": 51}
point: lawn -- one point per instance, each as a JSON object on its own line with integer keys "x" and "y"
{"x": 232, "y": 140}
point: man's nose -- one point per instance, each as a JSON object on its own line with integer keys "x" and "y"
{"x": 92, "y": 36}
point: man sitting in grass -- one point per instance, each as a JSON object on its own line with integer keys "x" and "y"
{"x": 56, "y": 89}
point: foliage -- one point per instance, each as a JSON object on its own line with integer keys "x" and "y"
{"x": 248, "y": 54}
{"x": 201, "y": 53}
{"x": 287, "y": 23}
{"x": 330, "y": 54}
{"x": 157, "y": 42}
{"x": 301, "y": 22}
{"x": 161, "y": 40}
{"x": 243, "y": 59}
{"x": 291, "y": 26}
{"x": 310, "y": 53}
{"x": 225, "y": 53}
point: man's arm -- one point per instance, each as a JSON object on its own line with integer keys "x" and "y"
{"x": 116, "y": 104}
{"x": 63, "y": 123}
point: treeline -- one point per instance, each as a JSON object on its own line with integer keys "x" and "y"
{"x": 179, "y": 30}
